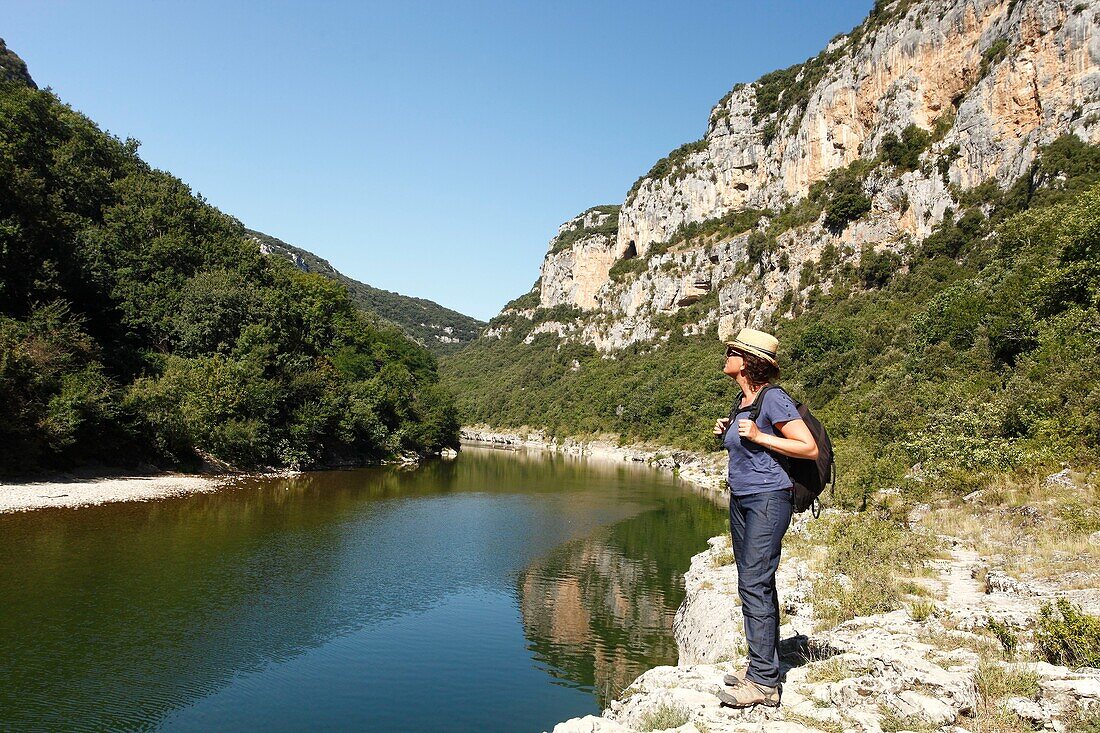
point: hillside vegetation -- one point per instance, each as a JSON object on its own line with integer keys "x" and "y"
{"x": 140, "y": 324}
{"x": 977, "y": 353}
{"x": 440, "y": 329}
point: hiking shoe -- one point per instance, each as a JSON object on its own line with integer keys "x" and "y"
{"x": 733, "y": 680}
{"x": 749, "y": 693}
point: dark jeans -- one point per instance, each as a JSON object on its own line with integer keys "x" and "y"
{"x": 758, "y": 523}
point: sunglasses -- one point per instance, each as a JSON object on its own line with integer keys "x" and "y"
{"x": 730, "y": 351}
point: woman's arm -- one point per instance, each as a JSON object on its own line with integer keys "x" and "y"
{"x": 797, "y": 440}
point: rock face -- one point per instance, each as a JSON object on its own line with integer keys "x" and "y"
{"x": 989, "y": 81}
{"x": 579, "y": 258}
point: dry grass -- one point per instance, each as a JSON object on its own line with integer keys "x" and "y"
{"x": 948, "y": 641}
{"x": 722, "y": 558}
{"x": 922, "y": 610}
{"x": 740, "y": 653}
{"x": 813, "y": 723}
{"x": 891, "y": 722}
{"x": 830, "y": 670}
{"x": 995, "y": 682}
{"x": 998, "y": 719}
{"x": 875, "y": 554}
{"x": 915, "y": 588}
{"x": 1084, "y": 721}
{"x": 1039, "y": 530}
{"x": 663, "y": 717}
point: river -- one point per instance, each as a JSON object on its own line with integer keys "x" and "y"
{"x": 501, "y": 591}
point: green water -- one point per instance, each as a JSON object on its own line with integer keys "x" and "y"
{"x": 501, "y": 591}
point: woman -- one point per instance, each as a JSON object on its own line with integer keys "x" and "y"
{"x": 760, "y": 505}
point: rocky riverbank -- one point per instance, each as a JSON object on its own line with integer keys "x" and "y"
{"x": 73, "y": 491}
{"x": 76, "y": 490}
{"x": 704, "y": 471}
{"x": 957, "y": 660}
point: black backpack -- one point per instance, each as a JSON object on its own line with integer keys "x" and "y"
{"x": 810, "y": 477}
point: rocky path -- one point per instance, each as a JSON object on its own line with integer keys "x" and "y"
{"x": 916, "y": 669}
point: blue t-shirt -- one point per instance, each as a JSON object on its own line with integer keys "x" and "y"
{"x": 753, "y": 469}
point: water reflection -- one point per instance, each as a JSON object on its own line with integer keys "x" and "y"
{"x": 332, "y": 595}
{"x": 599, "y": 610}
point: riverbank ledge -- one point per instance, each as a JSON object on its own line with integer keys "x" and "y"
{"x": 906, "y": 670}
{"x": 72, "y": 491}
{"x": 888, "y": 672}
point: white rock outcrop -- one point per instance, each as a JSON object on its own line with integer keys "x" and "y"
{"x": 867, "y": 674}
{"x": 992, "y": 79}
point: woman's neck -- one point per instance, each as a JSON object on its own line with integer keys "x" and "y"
{"x": 747, "y": 389}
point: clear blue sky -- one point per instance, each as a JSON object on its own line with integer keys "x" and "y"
{"x": 427, "y": 148}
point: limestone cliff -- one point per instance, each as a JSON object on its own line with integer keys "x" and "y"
{"x": 863, "y": 149}
{"x": 579, "y": 258}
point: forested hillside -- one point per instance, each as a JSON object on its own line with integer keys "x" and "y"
{"x": 441, "y": 329}
{"x": 973, "y": 353}
{"x": 140, "y": 324}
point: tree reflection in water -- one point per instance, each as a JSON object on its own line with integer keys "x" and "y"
{"x": 598, "y": 611}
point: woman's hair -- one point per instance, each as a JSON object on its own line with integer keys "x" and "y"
{"x": 759, "y": 371}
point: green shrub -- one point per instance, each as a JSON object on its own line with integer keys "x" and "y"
{"x": 842, "y": 191}
{"x": 528, "y": 300}
{"x": 876, "y": 268}
{"x": 625, "y": 268}
{"x": 1065, "y": 635}
{"x": 1004, "y": 633}
{"x": 610, "y": 226}
{"x": 670, "y": 166}
{"x": 904, "y": 152}
{"x": 164, "y": 334}
{"x": 953, "y": 316}
{"x": 729, "y": 225}
{"x": 845, "y": 207}
{"x": 992, "y": 56}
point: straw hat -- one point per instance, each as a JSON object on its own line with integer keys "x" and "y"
{"x": 757, "y": 343}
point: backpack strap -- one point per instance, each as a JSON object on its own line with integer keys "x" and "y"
{"x": 754, "y": 413}
{"x": 758, "y": 403}
{"x": 755, "y": 407}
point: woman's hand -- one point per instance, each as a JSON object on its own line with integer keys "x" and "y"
{"x": 720, "y": 425}
{"x": 748, "y": 429}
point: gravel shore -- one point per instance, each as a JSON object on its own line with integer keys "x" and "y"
{"x": 76, "y": 492}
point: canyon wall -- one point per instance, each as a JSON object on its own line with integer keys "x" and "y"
{"x": 730, "y": 226}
